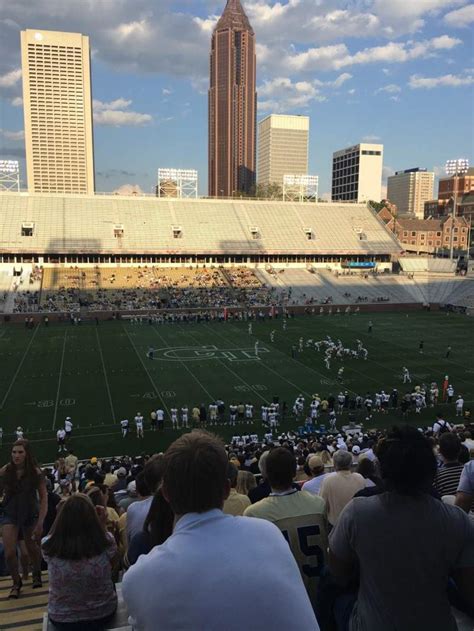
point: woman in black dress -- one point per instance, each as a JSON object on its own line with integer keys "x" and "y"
{"x": 23, "y": 510}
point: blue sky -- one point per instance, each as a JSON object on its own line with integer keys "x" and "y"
{"x": 399, "y": 72}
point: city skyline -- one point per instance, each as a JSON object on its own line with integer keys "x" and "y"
{"x": 360, "y": 74}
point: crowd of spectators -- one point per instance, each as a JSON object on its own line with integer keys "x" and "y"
{"x": 372, "y": 538}
{"x": 145, "y": 288}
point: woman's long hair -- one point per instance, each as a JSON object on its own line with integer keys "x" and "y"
{"x": 31, "y": 476}
{"x": 245, "y": 482}
{"x": 159, "y": 521}
{"x": 77, "y": 532}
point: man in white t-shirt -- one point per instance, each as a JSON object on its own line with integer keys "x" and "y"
{"x": 160, "y": 418}
{"x": 68, "y": 427}
{"x": 459, "y": 405}
{"x": 198, "y": 462}
{"x": 61, "y": 439}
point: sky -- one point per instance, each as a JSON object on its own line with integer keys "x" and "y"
{"x": 398, "y": 72}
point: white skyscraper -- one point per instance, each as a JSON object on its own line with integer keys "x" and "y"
{"x": 357, "y": 173}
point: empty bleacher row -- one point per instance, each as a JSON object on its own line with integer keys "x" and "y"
{"x": 108, "y": 224}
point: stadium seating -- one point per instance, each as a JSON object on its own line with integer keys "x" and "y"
{"x": 125, "y": 225}
{"x": 425, "y": 264}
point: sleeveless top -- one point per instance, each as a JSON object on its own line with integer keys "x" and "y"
{"x": 21, "y": 507}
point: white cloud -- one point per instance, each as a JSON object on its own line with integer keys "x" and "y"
{"x": 448, "y": 80}
{"x": 407, "y": 16}
{"x": 338, "y": 56}
{"x": 166, "y": 91}
{"x": 282, "y": 94}
{"x": 114, "y": 113}
{"x": 345, "y": 76}
{"x": 128, "y": 189}
{"x": 387, "y": 171}
{"x": 9, "y": 79}
{"x": 17, "y": 101}
{"x": 118, "y": 104}
{"x": 391, "y": 88}
{"x": 371, "y": 138}
{"x": 352, "y": 91}
{"x": 439, "y": 171}
{"x": 460, "y": 18}
{"x": 13, "y": 135}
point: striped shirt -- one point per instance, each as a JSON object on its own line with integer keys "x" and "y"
{"x": 447, "y": 478}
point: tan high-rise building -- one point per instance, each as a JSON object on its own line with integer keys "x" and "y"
{"x": 282, "y": 147}
{"x": 357, "y": 173}
{"x": 410, "y": 189}
{"x": 57, "y": 104}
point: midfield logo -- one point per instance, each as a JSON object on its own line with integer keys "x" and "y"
{"x": 200, "y": 353}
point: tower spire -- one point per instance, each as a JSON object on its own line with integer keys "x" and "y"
{"x": 234, "y": 17}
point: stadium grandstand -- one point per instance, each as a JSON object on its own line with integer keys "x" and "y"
{"x": 108, "y": 252}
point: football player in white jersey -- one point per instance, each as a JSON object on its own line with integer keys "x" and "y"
{"x": 174, "y": 418}
{"x": 139, "y": 424}
{"x": 184, "y": 416}
{"x": 249, "y": 413}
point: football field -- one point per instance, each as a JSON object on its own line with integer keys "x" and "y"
{"x": 101, "y": 374}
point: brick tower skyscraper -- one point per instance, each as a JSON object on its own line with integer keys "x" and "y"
{"x": 232, "y": 104}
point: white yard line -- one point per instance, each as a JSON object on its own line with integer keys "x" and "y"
{"x": 12, "y": 382}
{"x": 60, "y": 379}
{"x": 105, "y": 375}
{"x": 265, "y": 365}
{"x": 252, "y": 389}
{"x": 152, "y": 381}
{"x": 183, "y": 364}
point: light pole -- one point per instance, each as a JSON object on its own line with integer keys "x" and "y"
{"x": 455, "y": 168}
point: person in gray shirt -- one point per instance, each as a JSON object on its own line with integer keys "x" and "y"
{"x": 404, "y": 545}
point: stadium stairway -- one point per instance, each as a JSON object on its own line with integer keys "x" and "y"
{"x": 26, "y": 613}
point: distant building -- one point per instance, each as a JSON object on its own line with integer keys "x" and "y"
{"x": 434, "y": 208}
{"x": 232, "y": 104}
{"x": 57, "y": 105}
{"x": 428, "y": 235}
{"x": 357, "y": 173}
{"x": 410, "y": 189}
{"x": 282, "y": 147}
{"x": 466, "y": 207}
{"x": 464, "y": 184}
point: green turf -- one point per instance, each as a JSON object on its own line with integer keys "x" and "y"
{"x": 100, "y": 374}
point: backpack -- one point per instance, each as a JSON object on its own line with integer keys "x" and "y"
{"x": 444, "y": 427}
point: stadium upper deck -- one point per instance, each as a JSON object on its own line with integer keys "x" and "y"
{"x": 138, "y": 226}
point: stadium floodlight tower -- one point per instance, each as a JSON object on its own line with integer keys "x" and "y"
{"x": 455, "y": 168}
{"x": 9, "y": 175}
{"x": 300, "y": 188}
{"x": 179, "y": 183}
